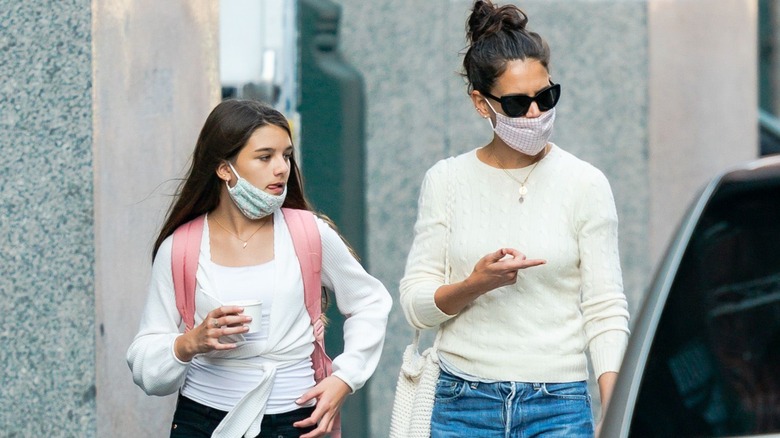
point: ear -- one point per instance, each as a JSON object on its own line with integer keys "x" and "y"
{"x": 223, "y": 171}
{"x": 480, "y": 104}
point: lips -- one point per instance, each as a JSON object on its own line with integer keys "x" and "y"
{"x": 276, "y": 189}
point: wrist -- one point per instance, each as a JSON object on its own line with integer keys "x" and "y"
{"x": 181, "y": 349}
{"x": 472, "y": 287}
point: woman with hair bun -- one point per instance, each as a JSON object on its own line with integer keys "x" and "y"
{"x": 515, "y": 256}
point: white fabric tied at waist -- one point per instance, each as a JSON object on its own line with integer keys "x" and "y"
{"x": 246, "y": 416}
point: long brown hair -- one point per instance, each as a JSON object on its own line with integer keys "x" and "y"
{"x": 225, "y": 132}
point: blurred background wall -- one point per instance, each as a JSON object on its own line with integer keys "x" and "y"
{"x": 101, "y": 102}
{"x": 155, "y": 79}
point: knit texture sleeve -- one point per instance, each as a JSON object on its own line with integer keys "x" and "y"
{"x": 151, "y": 359}
{"x": 604, "y": 305}
{"x": 365, "y": 303}
{"x": 426, "y": 262}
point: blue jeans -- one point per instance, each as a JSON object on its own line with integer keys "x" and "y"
{"x": 510, "y": 409}
{"x": 192, "y": 419}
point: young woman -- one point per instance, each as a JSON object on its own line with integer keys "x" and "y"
{"x": 232, "y": 382}
{"x": 515, "y": 256}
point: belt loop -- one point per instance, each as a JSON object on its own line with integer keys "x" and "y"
{"x": 474, "y": 385}
{"x": 538, "y": 386}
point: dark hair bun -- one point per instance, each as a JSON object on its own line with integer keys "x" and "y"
{"x": 487, "y": 19}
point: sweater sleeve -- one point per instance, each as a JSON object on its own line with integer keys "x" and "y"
{"x": 425, "y": 264}
{"x": 365, "y": 303}
{"x": 604, "y": 305}
{"x": 151, "y": 358}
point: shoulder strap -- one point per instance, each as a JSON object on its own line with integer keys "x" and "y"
{"x": 308, "y": 247}
{"x": 184, "y": 264}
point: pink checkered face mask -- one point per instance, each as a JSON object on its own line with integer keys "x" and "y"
{"x": 523, "y": 134}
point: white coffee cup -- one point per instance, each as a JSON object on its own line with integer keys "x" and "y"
{"x": 252, "y": 308}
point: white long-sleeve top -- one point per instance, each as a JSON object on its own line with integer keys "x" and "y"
{"x": 538, "y": 329}
{"x": 360, "y": 297}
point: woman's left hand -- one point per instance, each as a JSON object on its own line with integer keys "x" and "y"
{"x": 330, "y": 394}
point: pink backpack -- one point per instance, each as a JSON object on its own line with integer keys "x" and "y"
{"x": 308, "y": 248}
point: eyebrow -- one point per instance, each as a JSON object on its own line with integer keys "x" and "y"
{"x": 272, "y": 149}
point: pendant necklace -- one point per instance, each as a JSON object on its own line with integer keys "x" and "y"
{"x": 245, "y": 242}
{"x": 523, "y": 190}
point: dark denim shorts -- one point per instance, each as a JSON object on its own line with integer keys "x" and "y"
{"x": 192, "y": 419}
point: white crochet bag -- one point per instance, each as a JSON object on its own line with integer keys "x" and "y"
{"x": 416, "y": 386}
{"x": 414, "y": 392}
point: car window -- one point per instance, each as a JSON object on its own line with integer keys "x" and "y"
{"x": 714, "y": 365}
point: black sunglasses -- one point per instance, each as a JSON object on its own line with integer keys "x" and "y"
{"x": 516, "y": 105}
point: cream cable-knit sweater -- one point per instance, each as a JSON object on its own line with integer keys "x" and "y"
{"x": 538, "y": 329}
{"x": 360, "y": 296}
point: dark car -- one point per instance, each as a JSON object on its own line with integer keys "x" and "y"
{"x": 704, "y": 355}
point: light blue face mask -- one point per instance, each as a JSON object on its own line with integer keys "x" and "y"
{"x": 253, "y": 202}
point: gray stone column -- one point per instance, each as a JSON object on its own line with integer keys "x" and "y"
{"x": 47, "y": 316}
{"x": 659, "y": 94}
{"x": 100, "y": 105}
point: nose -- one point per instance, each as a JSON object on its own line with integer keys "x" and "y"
{"x": 282, "y": 166}
{"x": 533, "y": 111}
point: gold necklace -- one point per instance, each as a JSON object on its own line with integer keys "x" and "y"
{"x": 236, "y": 235}
{"x": 523, "y": 190}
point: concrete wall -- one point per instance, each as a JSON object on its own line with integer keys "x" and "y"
{"x": 703, "y": 111}
{"x": 658, "y": 94}
{"x": 100, "y": 105}
{"x": 156, "y": 77}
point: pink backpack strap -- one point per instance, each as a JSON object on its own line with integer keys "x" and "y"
{"x": 184, "y": 264}
{"x": 308, "y": 247}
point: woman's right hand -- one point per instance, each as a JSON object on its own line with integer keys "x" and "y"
{"x": 222, "y": 321}
{"x": 499, "y": 269}
{"x": 491, "y": 272}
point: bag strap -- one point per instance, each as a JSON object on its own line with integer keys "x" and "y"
{"x": 308, "y": 247}
{"x": 184, "y": 265}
